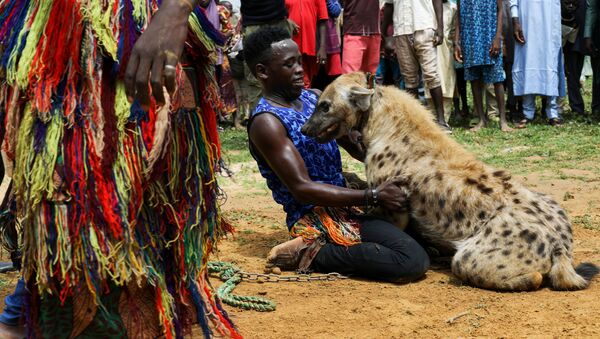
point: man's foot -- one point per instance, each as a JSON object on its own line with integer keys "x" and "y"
{"x": 523, "y": 123}
{"x": 445, "y": 127}
{"x": 480, "y": 125}
{"x": 505, "y": 128}
{"x": 12, "y": 332}
{"x": 555, "y": 122}
{"x": 286, "y": 256}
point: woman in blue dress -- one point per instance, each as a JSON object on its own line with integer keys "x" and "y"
{"x": 478, "y": 39}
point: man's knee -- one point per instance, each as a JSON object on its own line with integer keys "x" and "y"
{"x": 413, "y": 266}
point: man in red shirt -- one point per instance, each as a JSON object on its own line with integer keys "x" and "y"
{"x": 309, "y": 15}
{"x": 362, "y": 38}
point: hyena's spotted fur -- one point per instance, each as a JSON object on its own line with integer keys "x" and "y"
{"x": 506, "y": 237}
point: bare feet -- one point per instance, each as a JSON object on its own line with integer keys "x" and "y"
{"x": 480, "y": 125}
{"x": 505, "y": 128}
{"x": 285, "y": 256}
{"x": 12, "y": 332}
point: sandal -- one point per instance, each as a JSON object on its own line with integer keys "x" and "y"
{"x": 555, "y": 122}
{"x": 523, "y": 123}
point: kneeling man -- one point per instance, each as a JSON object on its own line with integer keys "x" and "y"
{"x": 329, "y": 233}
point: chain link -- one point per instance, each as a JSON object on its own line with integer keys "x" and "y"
{"x": 262, "y": 278}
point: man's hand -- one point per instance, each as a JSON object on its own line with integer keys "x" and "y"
{"x": 388, "y": 45}
{"x": 518, "y": 31}
{"x": 392, "y": 194}
{"x": 294, "y": 26}
{"x": 589, "y": 46}
{"x": 155, "y": 55}
{"x": 321, "y": 56}
{"x": 495, "y": 48}
{"x": 438, "y": 37}
{"x": 458, "y": 56}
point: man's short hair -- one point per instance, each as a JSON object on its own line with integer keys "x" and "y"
{"x": 257, "y": 46}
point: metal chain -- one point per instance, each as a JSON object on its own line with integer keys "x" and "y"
{"x": 260, "y": 277}
{"x": 231, "y": 276}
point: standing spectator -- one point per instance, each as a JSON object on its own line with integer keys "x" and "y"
{"x": 332, "y": 41}
{"x": 573, "y": 20}
{"x": 310, "y": 16}
{"x": 416, "y": 36}
{"x": 446, "y": 59}
{"x": 362, "y": 37}
{"x": 592, "y": 42}
{"x": 256, "y": 14}
{"x": 538, "y": 67}
{"x": 226, "y": 86}
{"x": 479, "y": 47}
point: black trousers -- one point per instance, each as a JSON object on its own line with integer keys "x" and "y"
{"x": 596, "y": 85}
{"x": 573, "y": 67}
{"x": 385, "y": 253}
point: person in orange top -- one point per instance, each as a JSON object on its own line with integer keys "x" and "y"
{"x": 309, "y": 15}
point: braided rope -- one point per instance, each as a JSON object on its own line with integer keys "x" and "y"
{"x": 231, "y": 276}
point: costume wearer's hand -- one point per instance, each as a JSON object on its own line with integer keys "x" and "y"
{"x": 392, "y": 194}
{"x": 438, "y": 37}
{"x": 458, "y": 56}
{"x": 495, "y": 48}
{"x": 156, "y": 53}
{"x": 518, "y": 31}
{"x": 589, "y": 46}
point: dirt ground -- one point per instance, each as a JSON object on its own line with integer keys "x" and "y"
{"x": 363, "y": 309}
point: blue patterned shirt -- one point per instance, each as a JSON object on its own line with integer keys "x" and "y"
{"x": 323, "y": 161}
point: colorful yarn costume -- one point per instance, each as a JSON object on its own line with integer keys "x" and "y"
{"x": 118, "y": 206}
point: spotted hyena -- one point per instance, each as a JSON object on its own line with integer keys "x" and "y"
{"x": 506, "y": 236}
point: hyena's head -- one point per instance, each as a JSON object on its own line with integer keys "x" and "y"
{"x": 340, "y": 108}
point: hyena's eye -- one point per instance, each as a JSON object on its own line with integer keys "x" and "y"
{"x": 324, "y": 106}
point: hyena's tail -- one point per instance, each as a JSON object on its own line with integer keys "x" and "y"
{"x": 565, "y": 277}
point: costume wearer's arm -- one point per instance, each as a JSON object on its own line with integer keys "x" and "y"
{"x": 590, "y": 18}
{"x": 157, "y": 52}
{"x": 270, "y": 139}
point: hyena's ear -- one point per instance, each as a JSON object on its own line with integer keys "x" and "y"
{"x": 361, "y": 97}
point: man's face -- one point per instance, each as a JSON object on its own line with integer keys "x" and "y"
{"x": 569, "y": 6}
{"x": 284, "y": 72}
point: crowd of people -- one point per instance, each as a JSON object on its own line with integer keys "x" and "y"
{"x": 510, "y": 51}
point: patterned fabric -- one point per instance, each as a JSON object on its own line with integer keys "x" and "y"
{"x": 490, "y": 74}
{"x": 477, "y": 31}
{"x": 323, "y": 161}
{"x": 338, "y": 225}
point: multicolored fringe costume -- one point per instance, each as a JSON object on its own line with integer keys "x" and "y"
{"x": 118, "y": 206}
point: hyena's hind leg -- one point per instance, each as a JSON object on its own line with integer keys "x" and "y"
{"x": 492, "y": 263}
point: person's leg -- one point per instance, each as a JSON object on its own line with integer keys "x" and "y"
{"x": 427, "y": 55}
{"x": 409, "y": 65}
{"x": 477, "y": 90}
{"x": 511, "y": 101}
{"x": 352, "y": 54}
{"x": 494, "y": 74}
{"x": 11, "y": 325}
{"x": 595, "y": 85}
{"x": 552, "y": 111}
{"x": 385, "y": 253}
{"x": 490, "y": 101}
{"x": 372, "y": 44}
{"x": 529, "y": 106}
{"x": 573, "y": 67}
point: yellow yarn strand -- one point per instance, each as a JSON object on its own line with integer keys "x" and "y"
{"x": 31, "y": 44}
{"x": 101, "y": 21}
